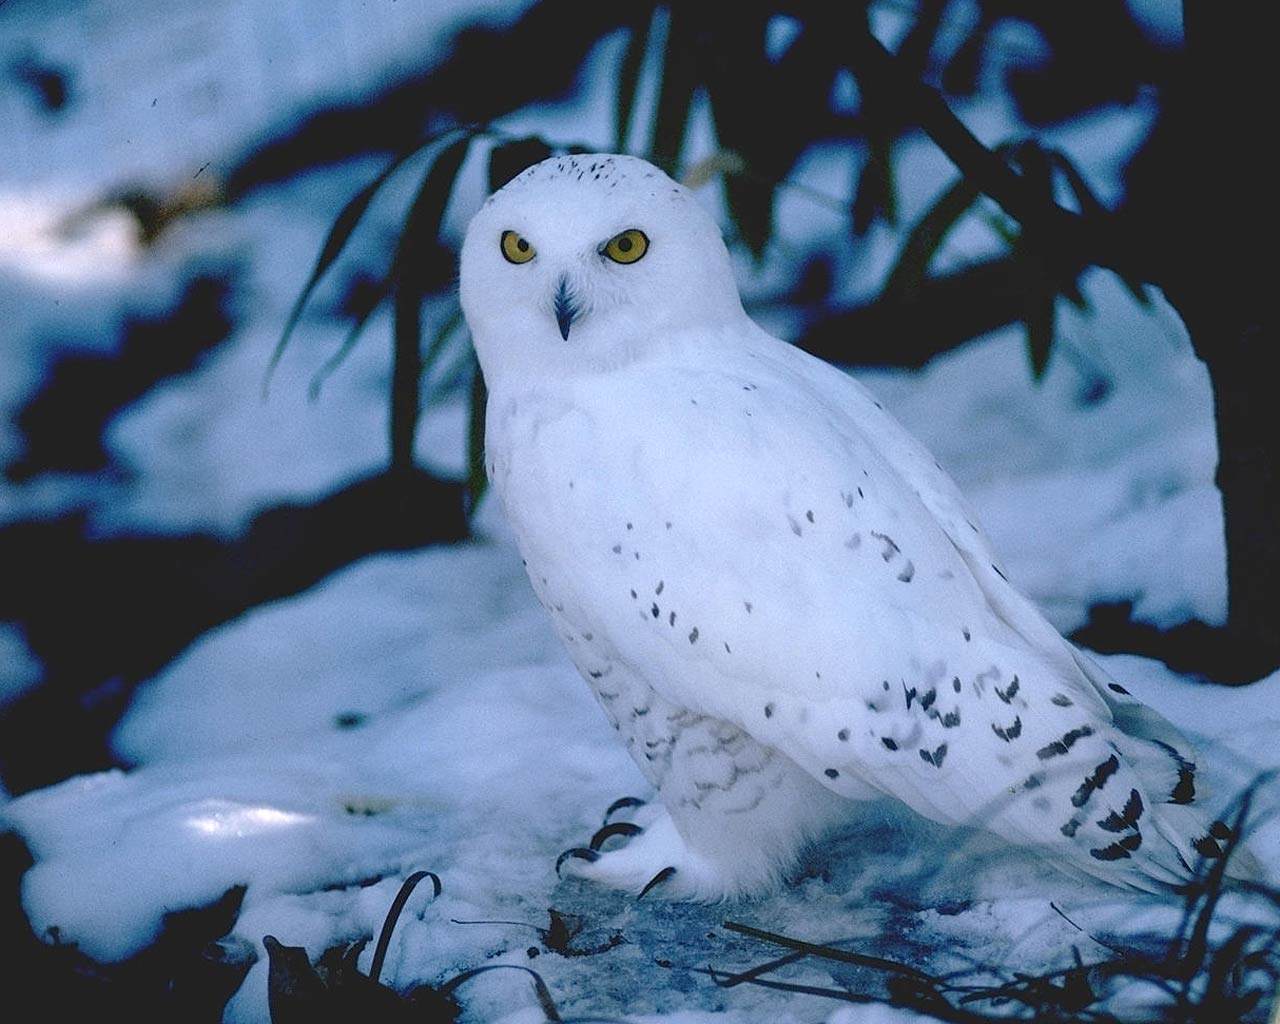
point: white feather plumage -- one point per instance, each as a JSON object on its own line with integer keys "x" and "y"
{"x": 781, "y": 601}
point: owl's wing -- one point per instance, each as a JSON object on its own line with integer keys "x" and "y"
{"x": 790, "y": 560}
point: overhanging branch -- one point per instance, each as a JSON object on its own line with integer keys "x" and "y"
{"x": 1077, "y": 239}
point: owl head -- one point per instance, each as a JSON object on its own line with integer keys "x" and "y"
{"x": 586, "y": 263}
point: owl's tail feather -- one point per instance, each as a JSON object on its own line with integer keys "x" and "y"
{"x": 1182, "y": 819}
{"x": 1166, "y": 762}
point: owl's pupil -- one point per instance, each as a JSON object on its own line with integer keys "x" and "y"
{"x": 624, "y": 244}
{"x": 522, "y": 245}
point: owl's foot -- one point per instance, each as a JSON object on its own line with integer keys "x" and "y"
{"x": 654, "y": 859}
{"x": 610, "y": 828}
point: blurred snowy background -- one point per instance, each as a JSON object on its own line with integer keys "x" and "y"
{"x": 250, "y": 679}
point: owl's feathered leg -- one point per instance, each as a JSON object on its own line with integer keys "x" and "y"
{"x": 734, "y": 817}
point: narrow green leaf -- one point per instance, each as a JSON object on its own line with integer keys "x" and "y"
{"x": 353, "y": 335}
{"x": 1072, "y": 293}
{"x": 1091, "y": 207}
{"x": 739, "y": 81}
{"x": 675, "y": 97}
{"x": 335, "y": 241}
{"x": 923, "y": 241}
{"x": 875, "y": 196}
{"x": 1089, "y": 203}
{"x": 441, "y": 339}
{"x": 420, "y": 233}
{"x": 1039, "y": 324}
{"x": 629, "y": 77}
{"x": 1039, "y": 305}
{"x": 393, "y": 916}
{"x": 1042, "y": 285}
{"x": 477, "y": 478}
{"x": 509, "y": 159}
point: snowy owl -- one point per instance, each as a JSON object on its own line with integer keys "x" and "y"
{"x": 780, "y": 600}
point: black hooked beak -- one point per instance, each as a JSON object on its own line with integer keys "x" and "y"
{"x": 567, "y": 309}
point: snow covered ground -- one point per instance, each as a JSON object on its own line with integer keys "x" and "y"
{"x": 415, "y": 711}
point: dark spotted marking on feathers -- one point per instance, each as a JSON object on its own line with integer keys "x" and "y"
{"x": 658, "y": 588}
{"x": 655, "y": 610}
{"x": 1059, "y": 747}
{"x": 885, "y": 684}
{"x": 1126, "y": 818}
{"x": 1069, "y": 829}
{"x": 672, "y": 619}
{"x": 955, "y": 684}
{"x": 693, "y": 635}
{"x": 908, "y": 572}
{"x": 747, "y": 606}
{"x": 633, "y": 595}
{"x": 768, "y": 711}
{"x": 1119, "y": 849}
{"x": 809, "y": 515}
{"x": 997, "y": 570}
{"x": 796, "y": 528}
{"x": 1207, "y": 847}
{"x": 1008, "y": 694}
{"x": 1096, "y": 781}
{"x": 1033, "y": 781}
{"x": 890, "y": 547}
{"x": 1117, "y": 688}
{"x": 889, "y": 744}
{"x": 617, "y": 549}
{"x": 843, "y": 735}
{"x": 1010, "y": 732}
{"x": 910, "y": 694}
{"x": 1221, "y": 830}
{"x": 951, "y": 719}
{"x": 1185, "y": 791}
{"x": 935, "y": 757}
{"x": 726, "y": 647}
{"x": 967, "y": 635}
{"x": 854, "y": 542}
{"x": 927, "y": 699}
{"x": 831, "y": 773}
{"x": 848, "y": 499}
{"x": 1061, "y": 699}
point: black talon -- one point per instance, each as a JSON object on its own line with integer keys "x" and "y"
{"x": 657, "y": 879}
{"x": 617, "y": 828}
{"x": 620, "y": 804}
{"x": 581, "y": 852}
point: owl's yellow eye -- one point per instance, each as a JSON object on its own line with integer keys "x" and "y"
{"x": 627, "y": 247}
{"x": 516, "y": 248}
